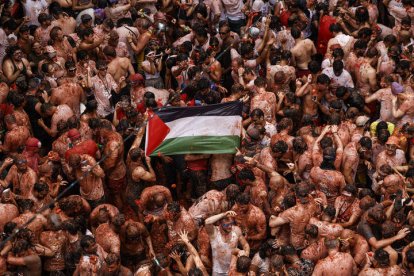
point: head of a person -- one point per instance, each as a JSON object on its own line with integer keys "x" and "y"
{"x": 285, "y": 124}
{"x": 329, "y": 155}
{"x": 88, "y": 244}
{"x": 102, "y": 67}
{"x": 21, "y": 163}
{"x": 289, "y": 253}
{"x": 391, "y": 146}
{"x": 381, "y": 258}
{"x": 349, "y": 192}
{"x": 86, "y": 20}
{"x": 332, "y": 244}
{"x": 243, "y": 203}
{"x": 174, "y": 210}
{"x": 112, "y": 262}
{"x": 328, "y": 213}
{"x": 15, "y": 53}
{"x": 243, "y": 264}
{"x": 201, "y": 35}
{"x": 159, "y": 200}
{"x": 224, "y": 30}
{"x": 278, "y": 149}
{"x": 409, "y": 258}
{"x": 295, "y": 32}
{"x": 311, "y": 231}
{"x": 299, "y": 145}
{"x": 322, "y": 82}
{"x": 40, "y": 190}
{"x": 338, "y": 67}
{"x": 376, "y": 214}
{"x": 75, "y": 161}
{"x": 365, "y": 146}
{"x": 25, "y": 205}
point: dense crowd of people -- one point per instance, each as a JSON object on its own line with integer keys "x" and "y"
{"x": 321, "y": 183}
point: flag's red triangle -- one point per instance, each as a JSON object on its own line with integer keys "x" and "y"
{"x": 157, "y": 130}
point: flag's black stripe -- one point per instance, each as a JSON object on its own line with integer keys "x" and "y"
{"x": 169, "y": 114}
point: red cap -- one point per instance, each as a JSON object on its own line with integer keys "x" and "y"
{"x": 73, "y": 134}
{"x": 33, "y": 143}
{"x": 137, "y": 78}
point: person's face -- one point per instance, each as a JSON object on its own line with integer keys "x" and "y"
{"x": 244, "y": 208}
{"x": 235, "y": 67}
{"x": 201, "y": 40}
{"x": 338, "y": 72}
{"x": 91, "y": 249}
{"x": 41, "y": 194}
{"x": 258, "y": 120}
{"x": 112, "y": 267}
{"x": 224, "y": 33}
{"x": 322, "y": 87}
{"x": 227, "y": 225}
{"x": 174, "y": 215}
{"x": 37, "y": 48}
{"x": 71, "y": 72}
{"x": 103, "y": 215}
{"x": 18, "y": 55}
{"x": 21, "y": 165}
{"x": 391, "y": 149}
{"x": 89, "y": 38}
{"x": 102, "y": 71}
{"x": 25, "y": 35}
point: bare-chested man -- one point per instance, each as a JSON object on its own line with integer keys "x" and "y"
{"x": 251, "y": 221}
{"x": 26, "y": 214}
{"x": 58, "y": 113}
{"x": 266, "y": 101}
{"x": 385, "y": 97}
{"x": 134, "y": 241}
{"x": 366, "y": 79}
{"x": 20, "y": 176}
{"x": 178, "y": 219}
{"x": 312, "y": 93}
{"x": 91, "y": 185}
{"x": 337, "y": 263}
{"x": 381, "y": 265}
{"x": 15, "y": 137}
{"x": 326, "y": 178}
{"x": 392, "y": 155}
{"x": 70, "y": 94}
{"x": 297, "y": 217}
{"x": 118, "y": 66}
{"x": 114, "y": 164}
{"x": 301, "y": 52}
{"x": 107, "y": 234}
{"x": 354, "y": 153}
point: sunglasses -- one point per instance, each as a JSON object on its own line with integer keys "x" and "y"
{"x": 227, "y": 224}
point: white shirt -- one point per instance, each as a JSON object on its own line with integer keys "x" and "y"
{"x": 4, "y": 43}
{"x": 344, "y": 79}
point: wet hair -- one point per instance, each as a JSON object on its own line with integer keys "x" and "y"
{"x": 314, "y": 66}
{"x": 299, "y": 145}
{"x": 289, "y": 201}
{"x": 335, "y": 119}
{"x": 335, "y": 28}
{"x": 201, "y": 31}
{"x": 295, "y": 32}
{"x": 9, "y": 227}
{"x": 383, "y": 135}
{"x": 195, "y": 272}
{"x": 284, "y": 124}
{"x": 260, "y": 82}
{"x": 280, "y": 147}
{"x": 71, "y": 226}
{"x": 112, "y": 258}
{"x": 243, "y": 264}
{"x": 20, "y": 245}
{"x": 388, "y": 229}
{"x": 86, "y": 241}
{"x": 410, "y": 172}
{"x": 409, "y": 256}
{"x": 243, "y": 199}
{"x": 257, "y": 112}
{"x": 366, "y": 142}
{"x": 323, "y": 79}
{"x": 338, "y": 52}
{"x": 86, "y": 32}
{"x": 174, "y": 207}
{"x": 302, "y": 189}
{"x": 364, "y": 33}
{"x": 41, "y": 187}
{"x": 361, "y": 14}
{"x": 382, "y": 257}
{"x": 312, "y": 230}
{"x": 246, "y": 174}
{"x": 203, "y": 83}
{"x": 331, "y": 243}
{"x": 245, "y": 49}
{"x": 391, "y": 39}
{"x": 287, "y": 250}
{"x": 372, "y": 52}
{"x": 351, "y": 189}
{"x": 366, "y": 202}
{"x": 109, "y": 51}
{"x": 232, "y": 191}
{"x": 326, "y": 142}
{"x": 25, "y": 204}
{"x": 330, "y": 211}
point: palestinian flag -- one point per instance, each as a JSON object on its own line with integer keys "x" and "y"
{"x": 211, "y": 129}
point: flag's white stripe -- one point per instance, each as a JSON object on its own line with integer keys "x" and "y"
{"x": 205, "y": 126}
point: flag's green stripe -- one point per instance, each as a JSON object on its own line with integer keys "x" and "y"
{"x": 198, "y": 145}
